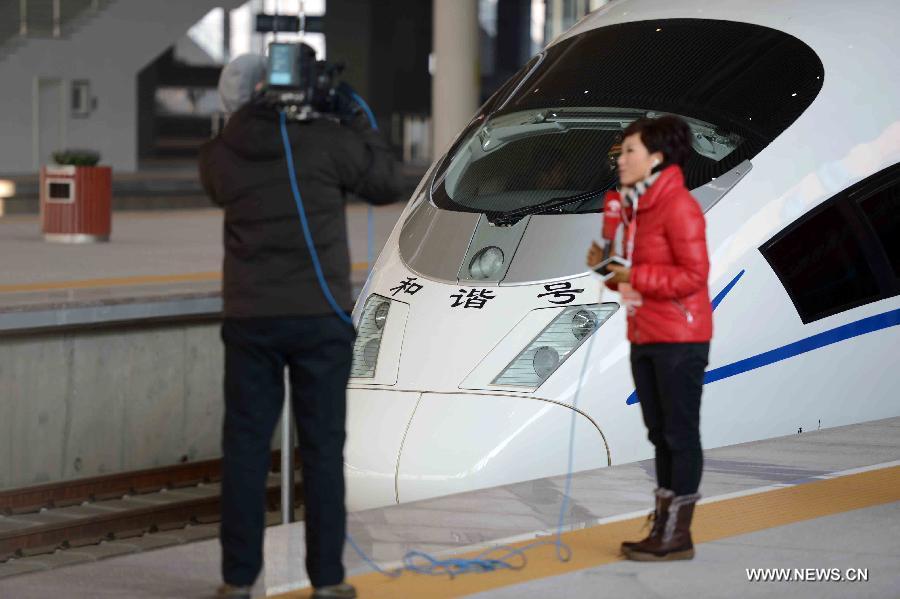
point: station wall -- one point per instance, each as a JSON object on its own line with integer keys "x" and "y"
{"x": 107, "y": 49}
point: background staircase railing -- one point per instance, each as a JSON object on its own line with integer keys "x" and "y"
{"x": 22, "y": 19}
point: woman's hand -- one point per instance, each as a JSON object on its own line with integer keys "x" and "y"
{"x": 630, "y": 298}
{"x": 594, "y": 255}
{"x": 623, "y": 274}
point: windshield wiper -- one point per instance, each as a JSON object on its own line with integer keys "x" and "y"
{"x": 551, "y": 206}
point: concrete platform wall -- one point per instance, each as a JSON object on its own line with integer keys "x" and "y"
{"x": 91, "y": 402}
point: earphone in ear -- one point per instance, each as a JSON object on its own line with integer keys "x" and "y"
{"x": 655, "y": 162}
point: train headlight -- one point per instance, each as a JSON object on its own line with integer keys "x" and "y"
{"x": 546, "y": 359}
{"x": 487, "y": 263}
{"x": 583, "y": 324}
{"x": 374, "y": 317}
{"x": 552, "y": 346}
{"x": 381, "y": 313}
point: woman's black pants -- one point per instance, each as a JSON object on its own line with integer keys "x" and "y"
{"x": 669, "y": 381}
{"x": 317, "y": 352}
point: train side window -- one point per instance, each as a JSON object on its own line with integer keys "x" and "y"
{"x": 882, "y": 210}
{"x": 821, "y": 263}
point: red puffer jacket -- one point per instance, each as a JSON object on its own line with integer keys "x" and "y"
{"x": 670, "y": 266}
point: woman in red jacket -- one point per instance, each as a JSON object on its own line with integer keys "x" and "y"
{"x": 669, "y": 320}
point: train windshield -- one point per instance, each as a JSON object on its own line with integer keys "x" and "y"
{"x": 553, "y": 130}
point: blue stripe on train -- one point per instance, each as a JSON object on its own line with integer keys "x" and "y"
{"x": 841, "y": 333}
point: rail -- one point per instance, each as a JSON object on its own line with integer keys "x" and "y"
{"x": 44, "y": 518}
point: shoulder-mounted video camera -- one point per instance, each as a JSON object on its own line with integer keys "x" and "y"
{"x": 299, "y": 85}
{"x": 303, "y": 87}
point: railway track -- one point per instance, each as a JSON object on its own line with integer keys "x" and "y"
{"x": 42, "y": 519}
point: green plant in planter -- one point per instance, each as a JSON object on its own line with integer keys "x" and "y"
{"x": 77, "y": 157}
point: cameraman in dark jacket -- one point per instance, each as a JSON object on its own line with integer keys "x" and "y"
{"x": 277, "y": 315}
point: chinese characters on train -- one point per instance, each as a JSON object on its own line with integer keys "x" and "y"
{"x": 409, "y": 286}
{"x": 560, "y": 293}
{"x": 556, "y": 293}
{"x": 475, "y": 298}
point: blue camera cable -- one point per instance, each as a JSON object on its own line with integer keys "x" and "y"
{"x": 307, "y": 235}
{"x": 370, "y": 212}
{"x": 502, "y": 557}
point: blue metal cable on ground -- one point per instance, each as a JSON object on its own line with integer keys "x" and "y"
{"x": 418, "y": 561}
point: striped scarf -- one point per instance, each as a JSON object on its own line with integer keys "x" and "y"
{"x": 631, "y": 196}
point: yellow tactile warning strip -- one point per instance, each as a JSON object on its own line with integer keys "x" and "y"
{"x": 195, "y": 277}
{"x": 599, "y": 545}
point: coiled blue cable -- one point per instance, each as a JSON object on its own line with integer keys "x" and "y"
{"x": 418, "y": 561}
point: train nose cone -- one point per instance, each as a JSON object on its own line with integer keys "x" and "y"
{"x": 461, "y": 442}
{"x": 377, "y": 421}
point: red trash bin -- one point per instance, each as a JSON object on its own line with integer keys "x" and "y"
{"x": 76, "y": 203}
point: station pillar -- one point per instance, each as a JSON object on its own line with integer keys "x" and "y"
{"x": 455, "y": 77}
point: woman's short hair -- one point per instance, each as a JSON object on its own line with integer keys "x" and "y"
{"x": 667, "y": 134}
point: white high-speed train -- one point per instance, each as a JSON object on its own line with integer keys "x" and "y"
{"x": 476, "y": 322}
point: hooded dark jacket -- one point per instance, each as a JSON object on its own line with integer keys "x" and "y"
{"x": 268, "y": 270}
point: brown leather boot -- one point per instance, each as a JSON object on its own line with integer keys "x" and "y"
{"x": 657, "y": 517}
{"x": 675, "y": 541}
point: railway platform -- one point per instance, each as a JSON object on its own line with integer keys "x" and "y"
{"x": 163, "y": 263}
{"x": 819, "y": 509}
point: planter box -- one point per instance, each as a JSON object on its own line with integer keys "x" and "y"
{"x": 76, "y": 203}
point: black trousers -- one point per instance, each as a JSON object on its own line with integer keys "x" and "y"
{"x": 669, "y": 381}
{"x": 317, "y": 352}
